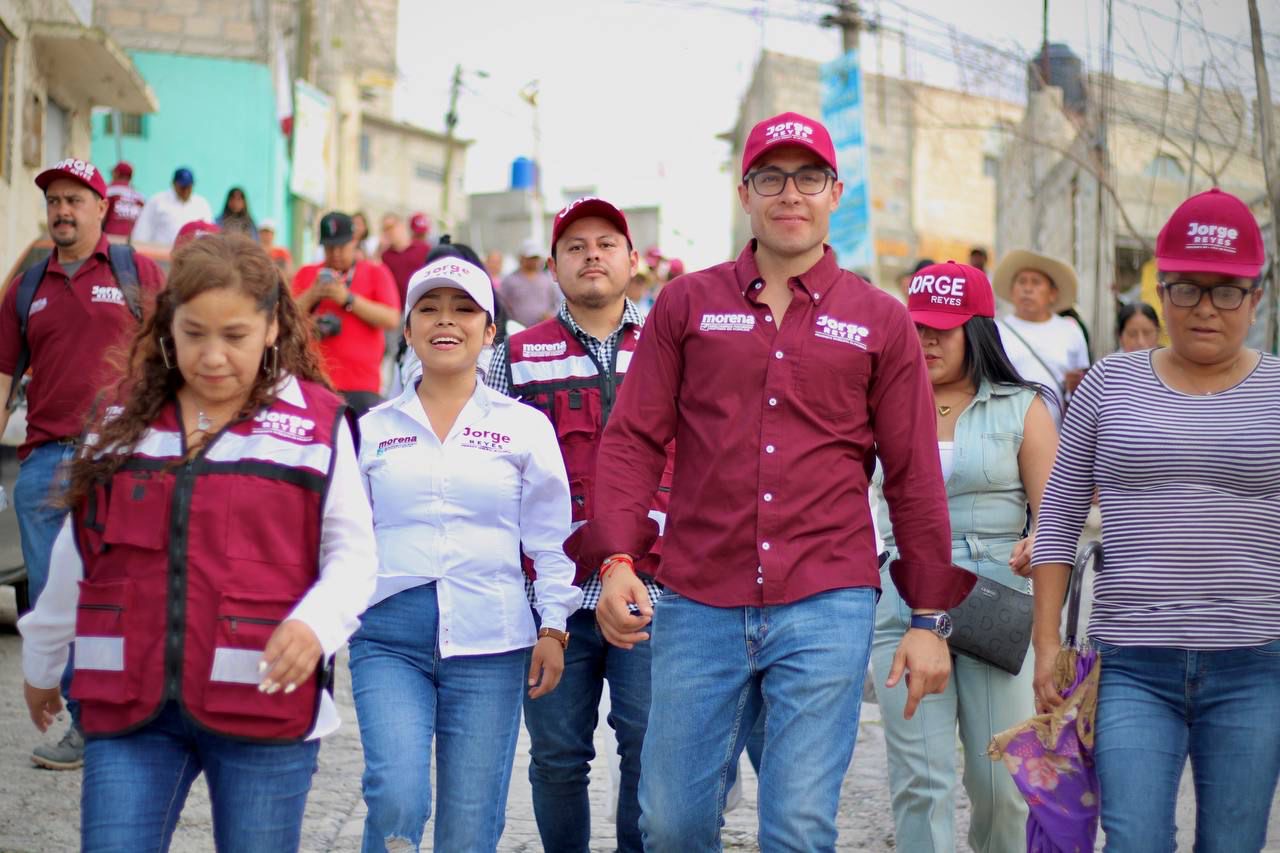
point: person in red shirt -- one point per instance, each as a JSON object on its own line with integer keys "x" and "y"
{"x": 126, "y": 202}
{"x": 402, "y": 254}
{"x": 353, "y": 302}
{"x": 781, "y": 378}
{"x": 78, "y": 314}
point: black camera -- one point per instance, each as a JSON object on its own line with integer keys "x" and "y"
{"x": 328, "y": 325}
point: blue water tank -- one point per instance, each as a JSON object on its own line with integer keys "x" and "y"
{"x": 524, "y": 174}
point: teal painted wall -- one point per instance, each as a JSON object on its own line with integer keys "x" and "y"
{"x": 216, "y": 117}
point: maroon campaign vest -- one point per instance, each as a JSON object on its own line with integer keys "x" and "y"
{"x": 552, "y": 371}
{"x": 190, "y": 566}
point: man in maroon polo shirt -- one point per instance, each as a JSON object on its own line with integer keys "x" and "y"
{"x": 126, "y": 202}
{"x": 781, "y": 378}
{"x": 78, "y": 313}
{"x": 402, "y": 254}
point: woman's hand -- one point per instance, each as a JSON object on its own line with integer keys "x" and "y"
{"x": 43, "y": 704}
{"x": 1020, "y": 562}
{"x": 1047, "y": 696}
{"x": 546, "y": 668}
{"x": 290, "y": 657}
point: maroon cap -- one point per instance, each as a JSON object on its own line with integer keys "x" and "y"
{"x": 419, "y": 224}
{"x": 80, "y": 171}
{"x": 788, "y": 130}
{"x": 1213, "y": 232}
{"x": 587, "y": 206}
{"x": 944, "y": 296}
{"x": 123, "y": 169}
{"x": 192, "y": 230}
{"x": 675, "y": 267}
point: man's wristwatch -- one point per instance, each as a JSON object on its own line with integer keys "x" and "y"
{"x": 936, "y": 623}
{"x": 561, "y": 637}
{"x": 350, "y": 304}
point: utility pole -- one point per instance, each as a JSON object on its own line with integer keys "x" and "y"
{"x": 450, "y": 122}
{"x": 301, "y": 71}
{"x": 848, "y": 17}
{"x": 1270, "y": 165}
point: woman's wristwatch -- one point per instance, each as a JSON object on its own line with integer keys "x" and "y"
{"x": 561, "y": 637}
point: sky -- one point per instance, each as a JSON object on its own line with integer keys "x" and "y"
{"x": 633, "y": 93}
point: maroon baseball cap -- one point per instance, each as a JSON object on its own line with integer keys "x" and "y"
{"x": 419, "y": 224}
{"x": 944, "y": 296}
{"x": 587, "y": 206}
{"x": 123, "y": 169}
{"x": 80, "y": 171}
{"x": 1213, "y": 232}
{"x": 788, "y": 130}
{"x": 192, "y": 230}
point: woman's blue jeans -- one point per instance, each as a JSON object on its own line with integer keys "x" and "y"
{"x": 135, "y": 786}
{"x": 1159, "y": 706}
{"x": 408, "y": 696}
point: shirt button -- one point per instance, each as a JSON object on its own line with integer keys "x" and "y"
{"x": 773, "y": 401}
{"x": 759, "y": 580}
{"x": 759, "y": 285}
{"x": 764, "y": 545}
{"x": 817, "y": 296}
{"x": 759, "y": 570}
{"x": 778, "y": 354}
{"x": 768, "y": 496}
{"x": 768, "y": 318}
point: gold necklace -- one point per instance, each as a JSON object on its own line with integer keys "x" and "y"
{"x": 943, "y": 411}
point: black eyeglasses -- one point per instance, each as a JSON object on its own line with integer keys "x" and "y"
{"x": 1187, "y": 294}
{"x": 811, "y": 180}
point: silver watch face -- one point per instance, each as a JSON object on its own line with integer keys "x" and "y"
{"x": 943, "y": 626}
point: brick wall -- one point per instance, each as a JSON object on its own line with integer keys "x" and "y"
{"x": 232, "y": 29}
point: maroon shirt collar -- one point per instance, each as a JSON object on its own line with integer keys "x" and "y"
{"x": 820, "y": 277}
{"x": 99, "y": 252}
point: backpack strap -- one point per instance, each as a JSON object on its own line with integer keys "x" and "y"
{"x": 27, "y": 287}
{"x": 124, "y": 268}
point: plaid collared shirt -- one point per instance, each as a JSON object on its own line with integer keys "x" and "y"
{"x": 499, "y": 379}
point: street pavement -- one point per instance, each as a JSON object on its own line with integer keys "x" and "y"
{"x": 39, "y": 809}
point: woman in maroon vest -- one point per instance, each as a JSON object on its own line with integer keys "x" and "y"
{"x": 223, "y": 549}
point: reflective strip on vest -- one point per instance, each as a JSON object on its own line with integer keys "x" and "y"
{"x": 101, "y": 653}
{"x": 570, "y": 367}
{"x": 159, "y": 444}
{"x": 660, "y": 517}
{"x": 278, "y": 451}
{"x": 624, "y": 361}
{"x": 236, "y": 666}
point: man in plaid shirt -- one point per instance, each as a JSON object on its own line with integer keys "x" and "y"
{"x": 571, "y": 366}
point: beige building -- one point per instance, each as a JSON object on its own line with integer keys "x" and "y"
{"x": 402, "y": 170}
{"x": 1161, "y": 148}
{"x": 933, "y": 156}
{"x": 54, "y": 69}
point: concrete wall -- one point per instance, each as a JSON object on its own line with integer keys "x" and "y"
{"x": 217, "y": 117}
{"x": 222, "y": 28}
{"x": 406, "y": 172}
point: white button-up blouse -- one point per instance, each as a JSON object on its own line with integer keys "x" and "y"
{"x": 458, "y": 512}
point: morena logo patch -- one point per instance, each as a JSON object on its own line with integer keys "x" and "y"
{"x": 396, "y": 443}
{"x": 544, "y": 350}
{"x": 727, "y": 322}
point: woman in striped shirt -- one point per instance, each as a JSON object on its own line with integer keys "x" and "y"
{"x": 1183, "y": 445}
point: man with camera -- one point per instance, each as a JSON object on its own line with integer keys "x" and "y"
{"x": 352, "y": 302}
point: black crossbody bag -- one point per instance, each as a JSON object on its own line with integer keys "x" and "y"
{"x": 993, "y": 625}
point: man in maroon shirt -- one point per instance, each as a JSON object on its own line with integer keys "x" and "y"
{"x": 781, "y": 378}
{"x": 126, "y": 202}
{"x": 79, "y": 311}
{"x": 402, "y": 254}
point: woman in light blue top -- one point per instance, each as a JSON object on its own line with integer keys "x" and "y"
{"x": 996, "y": 443}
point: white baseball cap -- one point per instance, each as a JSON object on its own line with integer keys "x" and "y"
{"x": 450, "y": 272}
{"x": 531, "y": 248}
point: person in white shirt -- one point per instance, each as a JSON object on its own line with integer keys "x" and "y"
{"x": 219, "y": 550}
{"x": 1045, "y": 348}
{"x": 461, "y": 479}
{"x": 167, "y": 211}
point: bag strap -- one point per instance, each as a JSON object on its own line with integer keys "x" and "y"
{"x": 27, "y": 287}
{"x": 124, "y": 268}
{"x": 1062, "y": 389}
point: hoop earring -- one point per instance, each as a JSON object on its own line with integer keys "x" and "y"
{"x": 164, "y": 354}
{"x": 271, "y": 366}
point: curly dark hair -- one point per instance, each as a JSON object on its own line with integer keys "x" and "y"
{"x": 148, "y": 384}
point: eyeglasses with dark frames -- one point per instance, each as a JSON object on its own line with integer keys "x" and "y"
{"x": 1187, "y": 294}
{"x": 809, "y": 180}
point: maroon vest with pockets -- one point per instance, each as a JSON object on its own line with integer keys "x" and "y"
{"x": 552, "y": 371}
{"x": 190, "y": 566}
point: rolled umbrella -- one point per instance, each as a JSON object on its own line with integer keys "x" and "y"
{"x": 1051, "y": 755}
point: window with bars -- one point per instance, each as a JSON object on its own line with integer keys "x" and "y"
{"x": 131, "y": 124}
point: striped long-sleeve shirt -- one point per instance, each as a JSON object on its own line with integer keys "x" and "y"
{"x": 1190, "y": 496}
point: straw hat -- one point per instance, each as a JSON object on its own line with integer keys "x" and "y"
{"x": 1060, "y": 273}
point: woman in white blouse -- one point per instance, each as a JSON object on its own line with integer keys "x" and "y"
{"x": 461, "y": 479}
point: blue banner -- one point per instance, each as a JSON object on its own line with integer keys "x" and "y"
{"x": 842, "y": 114}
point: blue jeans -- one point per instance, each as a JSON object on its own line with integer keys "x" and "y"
{"x": 715, "y": 670}
{"x": 135, "y": 785}
{"x": 42, "y": 480}
{"x": 1159, "y": 706}
{"x": 562, "y": 728}
{"x": 406, "y": 696}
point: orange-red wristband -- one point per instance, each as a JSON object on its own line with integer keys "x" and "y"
{"x": 615, "y": 561}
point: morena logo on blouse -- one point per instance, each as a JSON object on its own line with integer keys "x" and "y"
{"x": 281, "y": 425}
{"x": 483, "y": 439}
{"x": 396, "y": 443}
